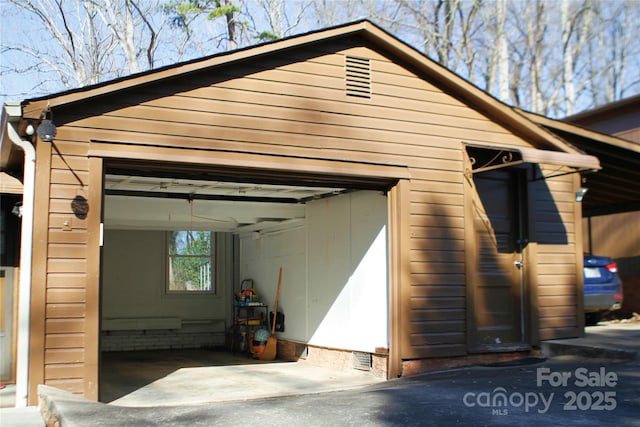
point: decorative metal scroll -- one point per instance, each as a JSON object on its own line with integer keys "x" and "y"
{"x": 485, "y": 159}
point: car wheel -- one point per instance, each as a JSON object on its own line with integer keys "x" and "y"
{"x": 592, "y": 319}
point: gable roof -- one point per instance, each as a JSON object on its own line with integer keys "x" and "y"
{"x": 446, "y": 79}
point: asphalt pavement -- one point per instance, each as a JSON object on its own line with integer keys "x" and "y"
{"x": 570, "y": 388}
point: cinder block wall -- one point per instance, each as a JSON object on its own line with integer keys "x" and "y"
{"x": 189, "y": 336}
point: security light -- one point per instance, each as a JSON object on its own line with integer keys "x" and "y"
{"x": 17, "y": 210}
{"x": 580, "y": 194}
{"x": 46, "y": 131}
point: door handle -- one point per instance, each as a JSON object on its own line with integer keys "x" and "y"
{"x": 517, "y": 264}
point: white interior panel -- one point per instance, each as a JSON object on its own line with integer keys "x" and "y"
{"x": 134, "y": 280}
{"x": 334, "y": 288}
{"x": 261, "y": 256}
{"x": 348, "y": 307}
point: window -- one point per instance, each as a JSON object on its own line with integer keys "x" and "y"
{"x": 191, "y": 261}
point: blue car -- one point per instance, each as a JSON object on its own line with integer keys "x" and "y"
{"x": 602, "y": 287}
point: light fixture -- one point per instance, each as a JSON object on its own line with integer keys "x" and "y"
{"x": 580, "y": 193}
{"x": 46, "y": 131}
{"x": 17, "y": 210}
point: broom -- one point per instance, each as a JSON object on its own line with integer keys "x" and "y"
{"x": 270, "y": 348}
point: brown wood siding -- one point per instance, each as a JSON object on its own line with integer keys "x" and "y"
{"x": 621, "y": 122}
{"x": 299, "y": 110}
{"x": 556, "y": 222}
{"x": 66, "y": 271}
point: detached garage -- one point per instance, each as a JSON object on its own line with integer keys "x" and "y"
{"x": 417, "y": 220}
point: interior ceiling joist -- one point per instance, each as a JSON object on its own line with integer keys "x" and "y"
{"x": 173, "y": 201}
{"x": 252, "y": 176}
{"x": 166, "y": 196}
{"x": 180, "y": 188}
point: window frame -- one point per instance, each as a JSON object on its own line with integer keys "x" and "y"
{"x": 213, "y": 258}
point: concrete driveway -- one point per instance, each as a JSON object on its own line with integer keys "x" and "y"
{"x": 594, "y": 382}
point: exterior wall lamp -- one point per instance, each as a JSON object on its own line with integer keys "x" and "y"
{"x": 580, "y": 193}
{"x": 47, "y": 130}
{"x": 17, "y": 210}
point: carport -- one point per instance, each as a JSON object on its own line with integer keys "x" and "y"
{"x": 615, "y": 188}
{"x": 611, "y": 205}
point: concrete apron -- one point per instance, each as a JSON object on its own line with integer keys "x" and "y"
{"x": 198, "y": 385}
{"x": 608, "y": 341}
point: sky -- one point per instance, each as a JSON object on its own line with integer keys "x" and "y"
{"x": 30, "y": 82}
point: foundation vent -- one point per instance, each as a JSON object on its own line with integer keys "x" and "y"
{"x": 358, "y": 76}
{"x": 362, "y": 361}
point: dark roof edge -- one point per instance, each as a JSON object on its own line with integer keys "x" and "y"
{"x": 188, "y": 62}
{"x": 563, "y": 126}
{"x": 603, "y": 109}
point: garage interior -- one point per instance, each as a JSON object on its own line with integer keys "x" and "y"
{"x": 327, "y": 233}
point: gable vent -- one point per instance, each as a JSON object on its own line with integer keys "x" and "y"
{"x": 358, "y": 76}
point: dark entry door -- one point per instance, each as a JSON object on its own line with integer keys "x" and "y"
{"x": 496, "y": 286}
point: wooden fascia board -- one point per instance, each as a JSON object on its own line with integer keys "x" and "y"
{"x": 36, "y": 108}
{"x": 585, "y": 133}
{"x": 107, "y": 149}
{"x": 10, "y": 113}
